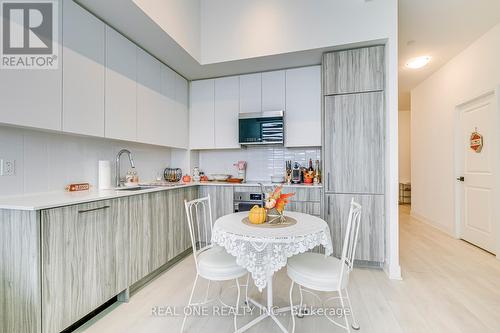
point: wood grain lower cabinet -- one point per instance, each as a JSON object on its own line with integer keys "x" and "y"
{"x": 58, "y": 265}
{"x": 221, "y": 198}
{"x": 311, "y": 208}
{"x": 179, "y": 239}
{"x": 20, "y": 292}
{"x": 140, "y": 236}
{"x": 304, "y": 200}
{"x": 158, "y": 229}
{"x": 84, "y": 259}
{"x": 304, "y": 194}
{"x": 148, "y": 233}
{"x": 371, "y": 244}
{"x": 159, "y": 216}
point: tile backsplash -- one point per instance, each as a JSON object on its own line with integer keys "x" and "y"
{"x": 262, "y": 161}
{"x": 49, "y": 161}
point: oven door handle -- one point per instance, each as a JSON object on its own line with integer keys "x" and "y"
{"x": 240, "y": 204}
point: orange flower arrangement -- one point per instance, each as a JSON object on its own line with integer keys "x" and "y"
{"x": 278, "y": 200}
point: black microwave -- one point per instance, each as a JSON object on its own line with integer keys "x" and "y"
{"x": 261, "y": 128}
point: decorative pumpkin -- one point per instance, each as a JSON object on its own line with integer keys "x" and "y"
{"x": 257, "y": 215}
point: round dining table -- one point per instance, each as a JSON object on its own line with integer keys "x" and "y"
{"x": 264, "y": 249}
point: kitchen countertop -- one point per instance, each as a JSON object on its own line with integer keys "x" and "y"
{"x": 47, "y": 200}
{"x": 256, "y": 184}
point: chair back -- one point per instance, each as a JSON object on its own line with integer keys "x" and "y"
{"x": 350, "y": 243}
{"x": 199, "y": 218}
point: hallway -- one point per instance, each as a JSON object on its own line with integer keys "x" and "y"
{"x": 449, "y": 286}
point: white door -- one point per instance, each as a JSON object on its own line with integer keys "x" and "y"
{"x": 477, "y": 197}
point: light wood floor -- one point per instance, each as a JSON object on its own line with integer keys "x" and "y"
{"x": 448, "y": 286}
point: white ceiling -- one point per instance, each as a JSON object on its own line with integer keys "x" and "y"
{"x": 441, "y": 29}
{"x": 131, "y": 19}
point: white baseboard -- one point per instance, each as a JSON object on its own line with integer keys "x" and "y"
{"x": 432, "y": 223}
{"x": 393, "y": 272}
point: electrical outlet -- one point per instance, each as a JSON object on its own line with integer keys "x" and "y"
{"x": 7, "y": 167}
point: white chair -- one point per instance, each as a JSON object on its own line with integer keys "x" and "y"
{"x": 325, "y": 273}
{"x": 213, "y": 263}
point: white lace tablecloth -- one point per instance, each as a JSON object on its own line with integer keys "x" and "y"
{"x": 264, "y": 251}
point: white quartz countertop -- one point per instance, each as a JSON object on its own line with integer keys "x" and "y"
{"x": 47, "y": 200}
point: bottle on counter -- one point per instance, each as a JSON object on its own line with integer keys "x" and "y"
{"x": 310, "y": 169}
{"x": 317, "y": 173}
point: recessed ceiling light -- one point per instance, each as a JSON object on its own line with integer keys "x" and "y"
{"x": 418, "y": 62}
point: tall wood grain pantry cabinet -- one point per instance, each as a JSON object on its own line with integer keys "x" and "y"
{"x": 354, "y": 147}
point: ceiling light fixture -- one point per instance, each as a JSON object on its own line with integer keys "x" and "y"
{"x": 418, "y": 62}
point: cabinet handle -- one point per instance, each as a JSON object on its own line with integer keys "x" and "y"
{"x": 92, "y": 209}
{"x": 328, "y": 181}
{"x": 328, "y": 206}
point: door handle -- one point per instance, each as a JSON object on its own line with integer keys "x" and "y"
{"x": 92, "y": 209}
{"x": 461, "y": 179}
{"x": 328, "y": 206}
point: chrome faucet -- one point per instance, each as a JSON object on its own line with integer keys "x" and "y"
{"x": 118, "y": 180}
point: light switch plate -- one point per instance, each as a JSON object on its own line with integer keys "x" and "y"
{"x": 7, "y": 167}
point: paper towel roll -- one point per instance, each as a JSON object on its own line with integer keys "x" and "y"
{"x": 104, "y": 175}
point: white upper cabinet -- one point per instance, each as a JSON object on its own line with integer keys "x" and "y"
{"x": 303, "y": 107}
{"x": 273, "y": 91}
{"x": 150, "y": 100}
{"x": 202, "y": 115}
{"x": 180, "y": 123}
{"x": 105, "y": 87}
{"x": 168, "y": 83}
{"x": 167, "y": 113}
{"x": 216, "y": 104}
{"x": 251, "y": 93}
{"x": 227, "y": 96}
{"x": 174, "y": 115}
{"x": 121, "y": 87}
{"x": 83, "y": 71}
{"x": 32, "y": 97}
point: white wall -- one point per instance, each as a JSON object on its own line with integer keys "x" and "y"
{"x": 48, "y": 162}
{"x": 473, "y": 72}
{"x": 232, "y": 30}
{"x": 404, "y": 146}
{"x": 179, "y": 18}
